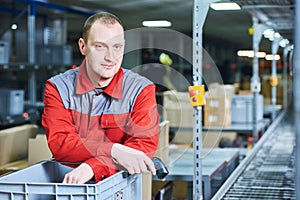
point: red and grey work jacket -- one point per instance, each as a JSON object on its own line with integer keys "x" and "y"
{"x": 82, "y": 123}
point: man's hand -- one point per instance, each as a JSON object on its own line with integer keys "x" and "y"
{"x": 79, "y": 175}
{"x": 134, "y": 161}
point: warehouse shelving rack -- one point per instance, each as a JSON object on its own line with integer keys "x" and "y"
{"x": 200, "y": 12}
{"x": 31, "y": 65}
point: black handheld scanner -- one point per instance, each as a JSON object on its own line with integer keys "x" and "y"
{"x": 161, "y": 169}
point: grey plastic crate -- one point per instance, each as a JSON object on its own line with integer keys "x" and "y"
{"x": 54, "y": 55}
{"x": 43, "y": 182}
{"x": 11, "y": 102}
{"x": 4, "y": 52}
{"x": 242, "y": 108}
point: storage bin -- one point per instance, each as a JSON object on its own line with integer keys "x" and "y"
{"x": 11, "y": 102}
{"x": 4, "y": 52}
{"x": 242, "y": 108}
{"x": 43, "y": 181}
{"x": 54, "y": 55}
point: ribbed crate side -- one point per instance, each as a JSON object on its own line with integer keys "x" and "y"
{"x": 14, "y": 196}
{"x": 11, "y": 187}
{"x": 112, "y": 185}
{"x": 134, "y": 188}
{"x": 36, "y": 183}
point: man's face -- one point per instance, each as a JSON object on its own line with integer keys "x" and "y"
{"x": 104, "y": 50}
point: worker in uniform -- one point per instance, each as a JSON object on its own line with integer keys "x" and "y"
{"x": 100, "y": 117}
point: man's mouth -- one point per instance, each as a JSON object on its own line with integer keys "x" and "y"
{"x": 108, "y": 66}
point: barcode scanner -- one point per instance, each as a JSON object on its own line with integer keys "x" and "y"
{"x": 161, "y": 169}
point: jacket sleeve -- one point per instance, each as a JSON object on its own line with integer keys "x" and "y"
{"x": 143, "y": 125}
{"x": 63, "y": 139}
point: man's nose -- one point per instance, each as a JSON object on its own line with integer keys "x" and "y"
{"x": 109, "y": 55}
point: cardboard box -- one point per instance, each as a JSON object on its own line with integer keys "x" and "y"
{"x": 244, "y": 92}
{"x": 217, "y": 108}
{"x": 14, "y": 142}
{"x": 179, "y": 189}
{"x": 162, "y": 150}
{"x": 183, "y": 137}
{"x": 217, "y": 111}
{"x": 13, "y": 166}
{"x": 147, "y": 186}
{"x": 177, "y": 109}
{"x": 38, "y": 149}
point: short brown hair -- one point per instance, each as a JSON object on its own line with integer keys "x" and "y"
{"x": 102, "y": 17}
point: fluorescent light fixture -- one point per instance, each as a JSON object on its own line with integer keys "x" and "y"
{"x": 250, "y": 54}
{"x": 272, "y": 57}
{"x": 284, "y": 42}
{"x": 157, "y": 23}
{"x": 277, "y": 35}
{"x": 271, "y": 34}
{"x": 225, "y": 6}
{"x": 268, "y": 33}
{"x": 260, "y": 54}
{"x": 14, "y": 26}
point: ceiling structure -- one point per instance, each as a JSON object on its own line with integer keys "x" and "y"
{"x": 230, "y": 26}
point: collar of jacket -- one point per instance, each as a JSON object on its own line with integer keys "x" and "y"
{"x": 84, "y": 85}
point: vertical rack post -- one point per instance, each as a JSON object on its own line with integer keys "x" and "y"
{"x": 199, "y": 14}
{"x": 296, "y": 92}
{"x": 255, "y": 80}
{"x": 275, "y": 46}
{"x": 291, "y": 66}
{"x": 31, "y": 53}
{"x": 285, "y": 94}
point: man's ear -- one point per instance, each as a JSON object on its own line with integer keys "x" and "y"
{"x": 82, "y": 46}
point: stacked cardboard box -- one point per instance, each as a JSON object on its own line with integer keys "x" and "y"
{"x": 177, "y": 109}
{"x": 162, "y": 151}
{"x": 14, "y": 142}
{"x": 38, "y": 149}
{"x": 217, "y": 109}
{"x": 179, "y": 112}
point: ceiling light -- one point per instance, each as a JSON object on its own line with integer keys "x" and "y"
{"x": 14, "y": 26}
{"x": 284, "y": 42}
{"x": 225, "y": 6}
{"x": 157, "y": 23}
{"x": 272, "y": 57}
{"x": 277, "y": 35}
{"x": 268, "y": 33}
{"x": 250, "y": 54}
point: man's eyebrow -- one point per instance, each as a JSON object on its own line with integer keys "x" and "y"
{"x": 104, "y": 43}
{"x": 99, "y": 42}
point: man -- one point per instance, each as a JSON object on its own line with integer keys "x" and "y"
{"x": 100, "y": 115}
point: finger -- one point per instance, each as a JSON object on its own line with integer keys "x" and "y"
{"x": 66, "y": 179}
{"x": 136, "y": 167}
{"x": 150, "y": 165}
{"x": 130, "y": 170}
{"x": 73, "y": 180}
{"x": 143, "y": 167}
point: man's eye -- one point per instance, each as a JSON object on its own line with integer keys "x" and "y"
{"x": 99, "y": 46}
{"x": 117, "y": 47}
